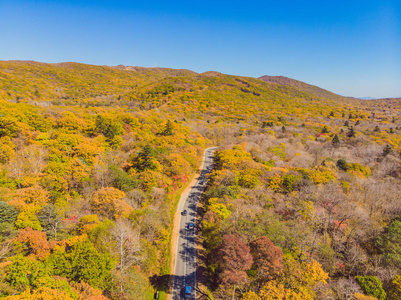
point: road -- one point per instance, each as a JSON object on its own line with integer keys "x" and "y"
{"x": 185, "y": 261}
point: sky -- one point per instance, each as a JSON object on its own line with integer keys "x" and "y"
{"x": 350, "y": 47}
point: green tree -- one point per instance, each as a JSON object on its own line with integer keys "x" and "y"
{"x": 325, "y": 129}
{"x": 389, "y": 243}
{"x": 342, "y": 165}
{"x": 372, "y": 286}
{"x": 145, "y": 159}
{"x": 351, "y": 132}
{"x": 82, "y": 262}
{"x": 108, "y": 126}
{"x": 8, "y": 213}
{"x": 335, "y": 141}
{"x": 49, "y": 220}
{"x": 387, "y": 150}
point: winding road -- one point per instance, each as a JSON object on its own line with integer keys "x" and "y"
{"x": 185, "y": 260}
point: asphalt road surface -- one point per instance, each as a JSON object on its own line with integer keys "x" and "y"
{"x": 185, "y": 261}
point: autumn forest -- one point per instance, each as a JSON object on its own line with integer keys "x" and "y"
{"x": 302, "y": 201}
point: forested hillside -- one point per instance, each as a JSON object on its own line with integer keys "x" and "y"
{"x": 303, "y": 202}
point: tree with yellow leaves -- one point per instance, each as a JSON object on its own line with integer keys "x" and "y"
{"x": 109, "y": 202}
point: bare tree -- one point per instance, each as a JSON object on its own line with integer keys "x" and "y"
{"x": 125, "y": 245}
{"x": 5, "y": 248}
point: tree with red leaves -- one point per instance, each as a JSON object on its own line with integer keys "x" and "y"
{"x": 235, "y": 258}
{"x": 267, "y": 257}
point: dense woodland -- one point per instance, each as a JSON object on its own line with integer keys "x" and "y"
{"x": 303, "y": 201}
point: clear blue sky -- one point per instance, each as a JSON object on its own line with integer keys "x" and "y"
{"x": 349, "y": 47}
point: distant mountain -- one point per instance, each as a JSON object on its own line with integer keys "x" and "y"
{"x": 209, "y": 95}
{"x": 368, "y": 98}
{"x": 304, "y": 87}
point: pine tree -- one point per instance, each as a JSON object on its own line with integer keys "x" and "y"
{"x": 351, "y": 132}
{"x": 169, "y": 129}
{"x": 144, "y": 160}
{"x": 387, "y": 150}
{"x": 335, "y": 142}
{"x": 325, "y": 129}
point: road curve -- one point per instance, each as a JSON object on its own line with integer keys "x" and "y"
{"x": 185, "y": 260}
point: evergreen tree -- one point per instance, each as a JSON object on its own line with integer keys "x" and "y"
{"x": 169, "y": 129}
{"x": 342, "y": 164}
{"x": 283, "y": 129}
{"x": 8, "y": 213}
{"x": 357, "y": 123}
{"x": 346, "y": 124}
{"x": 331, "y": 114}
{"x": 351, "y": 132}
{"x": 335, "y": 142}
{"x": 325, "y": 129}
{"x": 387, "y": 150}
{"x": 377, "y": 129}
{"x": 145, "y": 159}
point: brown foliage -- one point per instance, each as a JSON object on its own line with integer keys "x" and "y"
{"x": 235, "y": 259}
{"x": 267, "y": 257}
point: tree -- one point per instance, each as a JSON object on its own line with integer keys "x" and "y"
{"x": 145, "y": 159}
{"x": 387, "y": 150}
{"x": 108, "y": 202}
{"x": 351, "y": 132}
{"x": 168, "y": 130}
{"x": 125, "y": 245}
{"x": 372, "y": 286}
{"x": 335, "y": 141}
{"x": 82, "y": 262}
{"x": 43, "y": 293}
{"x": 389, "y": 243}
{"x": 50, "y": 220}
{"x": 109, "y": 126}
{"x": 342, "y": 165}
{"x": 325, "y": 129}
{"x": 7, "y": 149}
{"x": 8, "y": 126}
{"x": 394, "y": 291}
{"x": 33, "y": 242}
{"x": 235, "y": 258}
{"x": 377, "y": 129}
{"x": 267, "y": 258}
{"x": 8, "y": 213}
